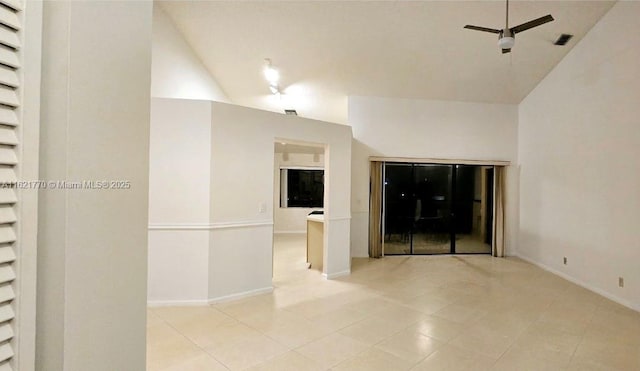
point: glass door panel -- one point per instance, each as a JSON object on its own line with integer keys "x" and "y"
{"x": 473, "y": 209}
{"x": 398, "y": 208}
{"x": 432, "y": 215}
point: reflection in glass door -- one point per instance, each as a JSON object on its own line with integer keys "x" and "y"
{"x": 437, "y": 209}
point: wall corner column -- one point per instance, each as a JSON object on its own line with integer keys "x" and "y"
{"x": 92, "y": 241}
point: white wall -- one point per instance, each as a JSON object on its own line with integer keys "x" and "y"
{"x": 579, "y": 153}
{"x": 291, "y": 219}
{"x": 179, "y": 173}
{"x": 177, "y": 72}
{"x": 92, "y": 255}
{"x": 429, "y": 129}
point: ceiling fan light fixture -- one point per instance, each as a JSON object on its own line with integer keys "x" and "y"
{"x": 506, "y": 42}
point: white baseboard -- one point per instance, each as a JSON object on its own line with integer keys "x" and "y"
{"x": 202, "y": 302}
{"x": 579, "y": 282}
{"x": 336, "y": 275}
{"x": 289, "y": 232}
{"x": 176, "y": 303}
{"x": 240, "y": 295}
{"x": 210, "y": 226}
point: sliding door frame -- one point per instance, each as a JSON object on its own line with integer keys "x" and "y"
{"x": 440, "y": 161}
{"x": 430, "y": 161}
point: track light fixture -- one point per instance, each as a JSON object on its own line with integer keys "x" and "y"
{"x": 273, "y": 77}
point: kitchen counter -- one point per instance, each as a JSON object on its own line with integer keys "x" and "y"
{"x": 315, "y": 241}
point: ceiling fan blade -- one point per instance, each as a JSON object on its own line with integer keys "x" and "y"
{"x": 478, "y": 28}
{"x": 531, "y": 24}
{"x": 505, "y": 51}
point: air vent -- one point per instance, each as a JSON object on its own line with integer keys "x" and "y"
{"x": 563, "y": 39}
{"x": 291, "y": 112}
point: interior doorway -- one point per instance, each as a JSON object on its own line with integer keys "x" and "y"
{"x": 298, "y": 192}
{"x": 437, "y": 209}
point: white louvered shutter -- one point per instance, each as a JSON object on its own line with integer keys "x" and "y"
{"x": 10, "y": 79}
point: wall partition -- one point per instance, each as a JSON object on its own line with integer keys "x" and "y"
{"x": 430, "y": 208}
{"x": 211, "y": 198}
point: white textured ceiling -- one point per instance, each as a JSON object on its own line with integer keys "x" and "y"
{"x": 329, "y": 50}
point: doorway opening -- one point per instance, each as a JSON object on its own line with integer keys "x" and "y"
{"x": 437, "y": 209}
{"x": 298, "y": 192}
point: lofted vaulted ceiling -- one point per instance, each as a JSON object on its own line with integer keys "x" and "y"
{"x": 329, "y": 50}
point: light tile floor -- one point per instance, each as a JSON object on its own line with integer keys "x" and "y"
{"x": 401, "y": 313}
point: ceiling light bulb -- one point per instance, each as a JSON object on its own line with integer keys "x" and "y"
{"x": 272, "y": 75}
{"x": 274, "y": 89}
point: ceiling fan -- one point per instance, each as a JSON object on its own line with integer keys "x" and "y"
{"x": 506, "y": 36}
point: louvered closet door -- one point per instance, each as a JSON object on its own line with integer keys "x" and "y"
{"x": 10, "y": 78}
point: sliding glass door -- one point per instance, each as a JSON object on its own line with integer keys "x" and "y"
{"x": 437, "y": 209}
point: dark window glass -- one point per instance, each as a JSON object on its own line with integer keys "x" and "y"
{"x": 305, "y": 188}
